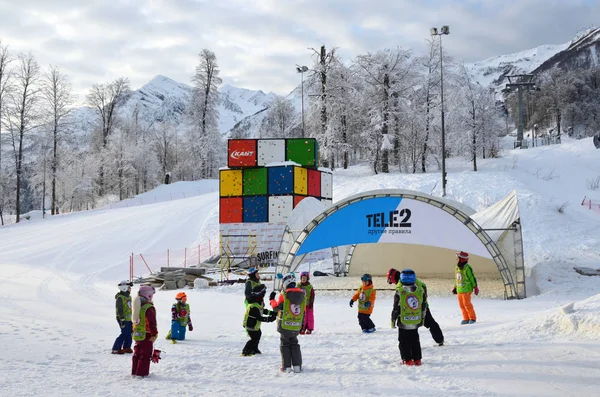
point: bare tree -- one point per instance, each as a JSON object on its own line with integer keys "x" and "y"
{"x": 105, "y": 99}
{"x": 23, "y": 115}
{"x": 204, "y": 112}
{"x": 58, "y": 97}
{"x": 5, "y": 82}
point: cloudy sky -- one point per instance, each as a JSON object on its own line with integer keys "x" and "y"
{"x": 259, "y": 42}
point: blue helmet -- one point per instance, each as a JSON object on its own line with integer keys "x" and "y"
{"x": 252, "y": 271}
{"x": 408, "y": 277}
{"x": 366, "y": 277}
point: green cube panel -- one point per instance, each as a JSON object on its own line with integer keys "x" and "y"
{"x": 255, "y": 181}
{"x": 302, "y": 151}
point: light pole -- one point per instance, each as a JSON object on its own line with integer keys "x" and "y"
{"x": 301, "y": 70}
{"x": 434, "y": 32}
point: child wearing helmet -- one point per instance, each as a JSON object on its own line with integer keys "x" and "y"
{"x": 252, "y": 282}
{"x": 308, "y": 325}
{"x": 180, "y": 318}
{"x": 366, "y": 296}
{"x": 145, "y": 332}
{"x": 393, "y": 277}
{"x": 255, "y": 315}
{"x": 290, "y": 312}
{"x": 409, "y": 315}
{"x": 123, "y": 342}
{"x": 464, "y": 285}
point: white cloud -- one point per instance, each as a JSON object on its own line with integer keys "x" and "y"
{"x": 258, "y": 42}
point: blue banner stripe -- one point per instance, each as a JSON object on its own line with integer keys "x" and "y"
{"x": 349, "y": 225}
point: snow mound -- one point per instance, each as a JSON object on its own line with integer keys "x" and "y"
{"x": 575, "y": 319}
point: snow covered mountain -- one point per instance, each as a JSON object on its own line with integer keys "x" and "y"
{"x": 242, "y": 110}
{"x": 163, "y": 98}
{"x": 582, "y": 51}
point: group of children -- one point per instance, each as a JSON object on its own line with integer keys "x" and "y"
{"x": 294, "y": 312}
{"x": 137, "y": 322}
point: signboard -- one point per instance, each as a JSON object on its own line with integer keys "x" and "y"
{"x": 392, "y": 220}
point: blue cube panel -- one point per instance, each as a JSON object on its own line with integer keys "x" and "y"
{"x": 256, "y": 209}
{"x": 281, "y": 180}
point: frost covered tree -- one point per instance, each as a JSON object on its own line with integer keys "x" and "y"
{"x": 280, "y": 120}
{"x": 58, "y": 100}
{"x": 5, "y": 86}
{"x": 105, "y": 99}
{"x": 23, "y": 116}
{"x": 204, "y": 139}
{"x": 386, "y": 73}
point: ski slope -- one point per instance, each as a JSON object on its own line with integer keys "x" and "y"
{"x": 58, "y": 279}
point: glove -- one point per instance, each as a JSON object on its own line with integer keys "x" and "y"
{"x": 155, "y": 356}
{"x": 454, "y": 290}
{"x": 190, "y": 327}
{"x": 393, "y": 324}
{"x": 367, "y": 304}
{"x": 122, "y": 324}
{"x": 272, "y": 295}
{"x": 351, "y": 302}
{"x": 476, "y": 290}
{"x": 272, "y": 317}
{"x": 152, "y": 338}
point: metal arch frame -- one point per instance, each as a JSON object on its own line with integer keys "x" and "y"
{"x": 510, "y": 290}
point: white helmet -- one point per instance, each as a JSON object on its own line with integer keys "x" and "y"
{"x": 288, "y": 279}
{"x": 125, "y": 285}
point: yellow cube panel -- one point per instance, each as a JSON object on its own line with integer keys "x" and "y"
{"x": 300, "y": 180}
{"x": 231, "y": 183}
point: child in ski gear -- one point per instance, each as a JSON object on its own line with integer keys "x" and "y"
{"x": 180, "y": 318}
{"x": 308, "y": 325}
{"x": 393, "y": 277}
{"x": 366, "y": 296}
{"x": 123, "y": 342}
{"x": 255, "y": 315}
{"x": 465, "y": 284}
{"x": 253, "y": 281}
{"x": 290, "y": 307}
{"x": 408, "y": 315}
{"x": 144, "y": 333}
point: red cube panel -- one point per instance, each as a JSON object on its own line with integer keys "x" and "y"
{"x": 230, "y": 210}
{"x": 297, "y": 199}
{"x": 314, "y": 183}
{"x": 241, "y": 153}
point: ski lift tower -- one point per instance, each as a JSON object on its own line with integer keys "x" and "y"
{"x": 520, "y": 82}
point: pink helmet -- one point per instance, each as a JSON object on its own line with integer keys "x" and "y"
{"x": 147, "y": 291}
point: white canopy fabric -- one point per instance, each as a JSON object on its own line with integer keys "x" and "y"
{"x": 402, "y": 216}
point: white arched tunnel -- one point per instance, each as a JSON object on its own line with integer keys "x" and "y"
{"x": 401, "y": 228}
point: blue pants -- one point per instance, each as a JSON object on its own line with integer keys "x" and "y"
{"x": 177, "y": 330}
{"x": 123, "y": 341}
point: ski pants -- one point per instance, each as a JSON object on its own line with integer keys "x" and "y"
{"x": 409, "y": 344}
{"x": 466, "y": 307}
{"x": 252, "y": 345}
{"x": 290, "y": 349}
{"x": 124, "y": 340}
{"x": 365, "y": 322}
{"x": 309, "y": 319}
{"x": 434, "y": 327}
{"x": 142, "y": 354}
{"x": 177, "y": 330}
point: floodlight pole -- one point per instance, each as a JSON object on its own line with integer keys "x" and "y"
{"x": 301, "y": 70}
{"x": 434, "y": 32}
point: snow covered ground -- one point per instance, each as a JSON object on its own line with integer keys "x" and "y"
{"x": 58, "y": 278}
